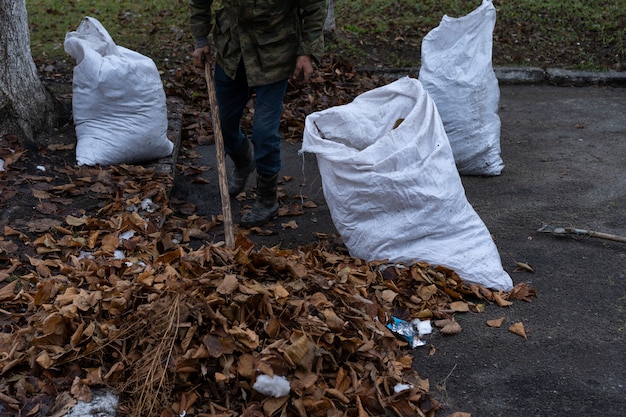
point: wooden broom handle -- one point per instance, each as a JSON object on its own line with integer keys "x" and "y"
{"x": 221, "y": 160}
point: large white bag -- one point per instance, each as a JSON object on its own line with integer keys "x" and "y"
{"x": 395, "y": 193}
{"x": 118, "y": 101}
{"x": 457, "y": 73}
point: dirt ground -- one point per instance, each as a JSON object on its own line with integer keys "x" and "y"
{"x": 564, "y": 150}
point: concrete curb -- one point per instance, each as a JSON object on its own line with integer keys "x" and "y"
{"x": 526, "y": 75}
{"x": 567, "y": 77}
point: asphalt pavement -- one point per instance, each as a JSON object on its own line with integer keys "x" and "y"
{"x": 563, "y": 141}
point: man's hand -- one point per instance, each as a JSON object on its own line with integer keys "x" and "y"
{"x": 201, "y": 56}
{"x": 304, "y": 66}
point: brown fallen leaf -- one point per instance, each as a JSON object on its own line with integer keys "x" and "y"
{"x": 298, "y": 349}
{"x": 524, "y": 267}
{"x": 44, "y": 360}
{"x": 452, "y": 328}
{"x": 41, "y": 194}
{"x": 9, "y": 231}
{"x": 221, "y": 378}
{"x": 459, "y": 306}
{"x": 500, "y": 300}
{"x": 427, "y": 291}
{"x": 262, "y": 232}
{"x": 46, "y": 208}
{"x": 280, "y": 292}
{"x": 12, "y": 158}
{"x": 335, "y": 393}
{"x": 228, "y": 285}
{"x": 246, "y": 337}
{"x": 389, "y": 295}
{"x": 200, "y": 180}
{"x": 432, "y": 350}
{"x": 64, "y": 402}
{"x": 8, "y": 292}
{"x": 110, "y": 242}
{"x": 495, "y": 322}
{"x": 289, "y": 225}
{"x": 61, "y": 146}
{"x": 76, "y": 221}
{"x": 523, "y": 291}
{"x": 290, "y": 211}
{"x": 271, "y": 406}
{"x": 80, "y": 390}
{"x": 8, "y": 247}
{"x": 478, "y": 308}
{"x": 442, "y": 323}
{"x": 518, "y": 329}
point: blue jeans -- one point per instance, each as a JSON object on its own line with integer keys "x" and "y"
{"x": 232, "y": 97}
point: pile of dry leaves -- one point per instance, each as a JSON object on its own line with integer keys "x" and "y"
{"x": 118, "y": 299}
{"x": 116, "y": 296}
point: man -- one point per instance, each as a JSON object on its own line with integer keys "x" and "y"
{"x": 258, "y": 45}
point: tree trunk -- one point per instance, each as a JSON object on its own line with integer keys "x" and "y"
{"x": 329, "y": 24}
{"x": 27, "y": 108}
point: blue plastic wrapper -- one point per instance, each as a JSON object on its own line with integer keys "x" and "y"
{"x": 406, "y": 331}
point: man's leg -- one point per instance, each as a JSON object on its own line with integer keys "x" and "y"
{"x": 232, "y": 96}
{"x": 266, "y": 139}
{"x": 268, "y": 110}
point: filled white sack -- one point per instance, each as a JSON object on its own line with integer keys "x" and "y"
{"x": 118, "y": 101}
{"x": 396, "y": 193}
{"x": 457, "y": 72}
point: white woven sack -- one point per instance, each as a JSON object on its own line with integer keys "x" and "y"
{"x": 118, "y": 101}
{"x": 395, "y": 193}
{"x": 457, "y": 73}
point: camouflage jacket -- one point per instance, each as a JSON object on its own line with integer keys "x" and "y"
{"x": 267, "y": 34}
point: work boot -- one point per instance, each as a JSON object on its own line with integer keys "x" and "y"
{"x": 265, "y": 207}
{"x": 244, "y": 166}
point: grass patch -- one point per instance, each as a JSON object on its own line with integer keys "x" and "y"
{"x": 575, "y": 34}
{"x": 150, "y": 27}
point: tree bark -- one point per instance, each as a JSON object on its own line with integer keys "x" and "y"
{"x": 329, "y": 24}
{"x": 27, "y": 108}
